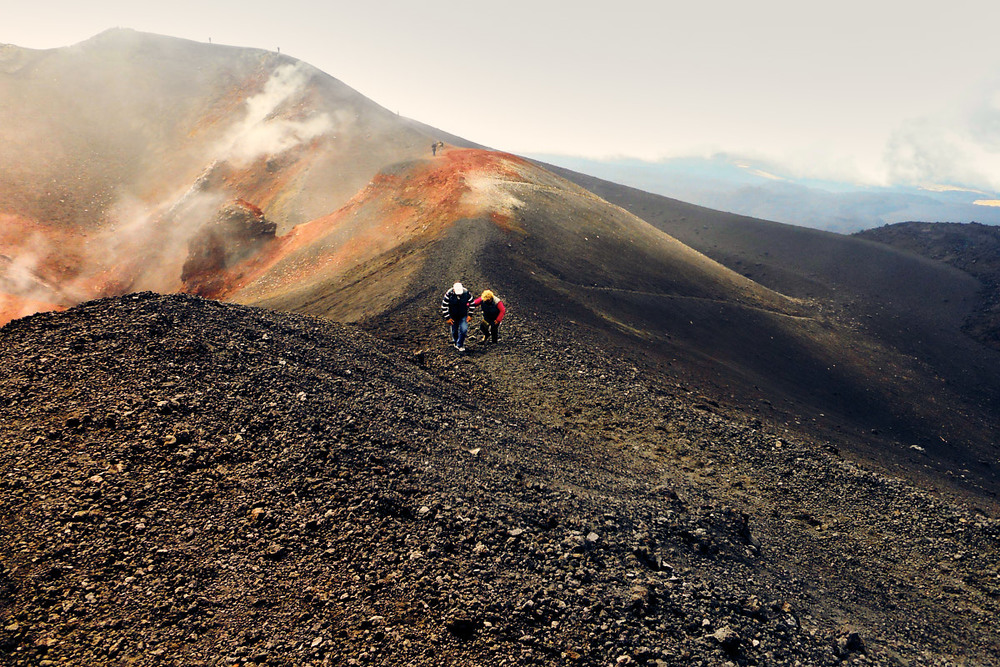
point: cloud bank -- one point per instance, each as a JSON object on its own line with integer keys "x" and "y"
{"x": 959, "y": 146}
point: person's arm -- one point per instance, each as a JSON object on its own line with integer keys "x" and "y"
{"x": 503, "y": 309}
{"x": 444, "y": 307}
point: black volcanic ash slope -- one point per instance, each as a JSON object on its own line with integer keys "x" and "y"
{"x": 187, "y": 482}
{"x": 899, "y": 328}
{"x": 973, "y": 248}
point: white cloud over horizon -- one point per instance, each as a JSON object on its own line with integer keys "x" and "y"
{"x": 958, "y": 147}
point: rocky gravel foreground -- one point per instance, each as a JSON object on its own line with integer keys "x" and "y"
{"x": 194, "y": 483}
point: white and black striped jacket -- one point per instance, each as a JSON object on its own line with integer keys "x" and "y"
{"x": 456, "y": 306}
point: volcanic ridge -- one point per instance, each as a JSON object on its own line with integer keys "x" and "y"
{"x": 241, "y": 436}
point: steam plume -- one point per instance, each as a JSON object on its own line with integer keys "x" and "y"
{"x": 262, "y": 132}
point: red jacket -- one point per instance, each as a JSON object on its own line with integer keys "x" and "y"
{"x": 493, "y": 311}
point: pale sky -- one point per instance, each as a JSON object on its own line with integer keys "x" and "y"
{"x": 857, "y": 90}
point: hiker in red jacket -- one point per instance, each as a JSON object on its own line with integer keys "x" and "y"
{"x": 493, "y": 312}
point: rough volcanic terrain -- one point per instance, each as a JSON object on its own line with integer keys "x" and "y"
{"x": 973, "y": 248}
{"x": 704, "y": 439}
{"x": 190, "y": 482}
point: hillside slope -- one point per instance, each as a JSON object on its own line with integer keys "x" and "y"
{"x": 973, "y": 248}
{"x": 189, "y": 481}
{"x": 885, "y": 372}
{"x": 571, "y": 258}
{"x": 93, "y": 124}
{"x": 903, "y": 316}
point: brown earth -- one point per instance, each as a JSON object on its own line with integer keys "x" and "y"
{"x": 900, "y": 368}
{"x": 189, "y": 482}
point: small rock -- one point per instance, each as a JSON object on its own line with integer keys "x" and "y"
{"x": 728, "y": 638}
{"x": 464, "y": 626}
{"x": 275, "y": 551}
{"x": 639, "y": 598}
{"x": 850, "y": 642}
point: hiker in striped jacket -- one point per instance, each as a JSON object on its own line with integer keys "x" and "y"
{"x": 456, "y": 309}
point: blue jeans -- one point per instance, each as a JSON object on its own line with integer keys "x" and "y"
{"x": 458, "y": 331}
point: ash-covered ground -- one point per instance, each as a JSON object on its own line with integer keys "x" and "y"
{"x": 193, "y": 483}
{"x": 973, "y": 248}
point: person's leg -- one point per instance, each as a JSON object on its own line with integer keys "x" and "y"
{"x": 454, "y": 333}
{"x": 494, "y": 330}
{"x": 463, "y": 328}
{"x": 484, "y": 329}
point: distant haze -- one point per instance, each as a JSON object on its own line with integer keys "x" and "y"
{"x": 761, "y": 190}
{"x": 876, "y": 93}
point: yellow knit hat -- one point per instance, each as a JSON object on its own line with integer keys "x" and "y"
{"x": 487, "y": 295}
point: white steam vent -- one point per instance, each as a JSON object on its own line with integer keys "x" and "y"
{"x": 262, "y": 132}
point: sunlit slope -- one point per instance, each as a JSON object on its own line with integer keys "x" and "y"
{"x": 129, "y": 113}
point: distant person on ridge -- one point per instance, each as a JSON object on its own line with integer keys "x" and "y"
{"x": 493, "y": 312}
{"x": 455, "y": 307}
